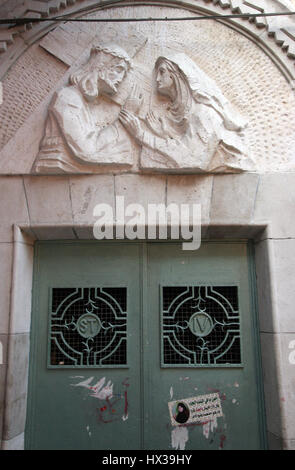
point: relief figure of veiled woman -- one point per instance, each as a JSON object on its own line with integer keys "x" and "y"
{"x": 195, "y": 130}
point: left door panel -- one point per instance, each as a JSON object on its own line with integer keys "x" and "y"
{"x": 84, "y": 380}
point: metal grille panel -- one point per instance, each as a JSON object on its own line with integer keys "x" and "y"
{"x": 88, "y": 327}
{"x": 200, "y": 326}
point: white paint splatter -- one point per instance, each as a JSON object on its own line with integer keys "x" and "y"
{"x": 209, "y": 427}
{"x": 98, "y": 390}
{"x": 125, "y": 417}
{"x": 236, "y": 385}
{"x": 102, "y": 393}
{"x": 179, "y": 438}
{"x": 171, "y": 393}
{"x": 85, "y": 383}
{"x": 234, "y": 400}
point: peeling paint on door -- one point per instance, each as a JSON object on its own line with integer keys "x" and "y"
{"x": 208, "y": 427}
{"x": 107, "y": 411}
{"x": 179, "y": 438}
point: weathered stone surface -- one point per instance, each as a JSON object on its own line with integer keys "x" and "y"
{"x": 17, "y": 380}
{"x": 284, "y": 283}
{"x": 48, "y": 200}
{"x": 5, "y": 284}
{"x": 21, "y": 94}
{"x": 249, "y": 92}
{"x": 272, "y": 384}
{"x": 142, "y": 189}
{"x": 287, "y": 344}
{"x": 265, "y": 276}
{"x": 191, "y": 189}
{"x": 13, "y": 206}
{"x": 3, "y": 350}
{"x": 80, "y": 127}
{"x": 86, "y": 193}
{"x": 275, "y": 202}
{"x": 21, "y": 292}
{"x": 54, "y": 232}
{"x": 233, "y": 199}
{"x": 274, "y": 442}
{"x": 3, "y": 370}
{"x": 289, "y": 444}
{"x": 16, "y": 443}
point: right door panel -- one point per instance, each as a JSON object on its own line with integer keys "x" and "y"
{"x": 199, "y": 344}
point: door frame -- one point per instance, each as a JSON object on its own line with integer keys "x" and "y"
{"x": 23, "y": 260}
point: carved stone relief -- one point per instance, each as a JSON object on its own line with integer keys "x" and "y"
{"x": 73, "y": 134}
{"x": 193, "y": 128}
{"x": 189, "y": 126}
{"x": 228, "y": 108}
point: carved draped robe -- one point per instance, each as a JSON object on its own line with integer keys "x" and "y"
{"x": 74, "y": 140}
{"x": 205, "y": 146}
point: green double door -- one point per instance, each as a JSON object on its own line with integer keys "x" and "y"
{"x": 143, "y": 346}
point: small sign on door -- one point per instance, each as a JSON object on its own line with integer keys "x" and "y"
{"x": 199, "y": 409}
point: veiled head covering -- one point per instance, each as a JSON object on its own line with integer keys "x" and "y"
{"x": 204, "y": 90}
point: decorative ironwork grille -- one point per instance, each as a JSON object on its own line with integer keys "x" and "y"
{"x": 200, "y": 326}
{"x": 88, "y": 327}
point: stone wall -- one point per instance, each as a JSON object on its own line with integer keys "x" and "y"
{"x": 255, "y": 75}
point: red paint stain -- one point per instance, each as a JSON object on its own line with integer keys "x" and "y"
{"x": 222, "y": 439}
{"x": 216, "y": 390}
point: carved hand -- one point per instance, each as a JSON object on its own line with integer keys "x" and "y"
{"x": 155, "y": 124}
{"x": 134, "y": 100}
{"x": 131, "y": 124}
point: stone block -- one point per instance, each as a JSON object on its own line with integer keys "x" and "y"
{"x": 284, "y": 279}
{"x": 270, "y": 351}
{"x": 274, "y": 442}
{"x": 86, "y": 192}
{"x": 233, "y": 199}
{"x": 48, "y": 199}
{"x": 191, "y": 189}
{"x": 287, "y": 345}
{"x": 13, "y": 206}
{"x": 141, "y": 189}
{"x": 17, "y": 443}
{"x": 264, "y": 266}
{"x": 16, "y": 386}
{"x": 54, "y": 232}
{"x": 275, "y": 203}
{"x": 24, "y": 234}
{"x": 5, "y": 276}
{"x": 233, "y": 231}
{"x": 3, "y": 370}
{"x": 21, "y": 293}
{"x": 3, "y": 350}
{"x": 289, "y": 444}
